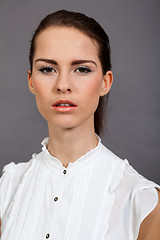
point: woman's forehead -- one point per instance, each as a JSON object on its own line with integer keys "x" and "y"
{"x": 65, "y": 41}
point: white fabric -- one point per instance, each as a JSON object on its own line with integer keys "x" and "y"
{"x": 101, "y": 197}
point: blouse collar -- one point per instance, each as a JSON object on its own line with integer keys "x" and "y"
{"x": 56, "y": 162}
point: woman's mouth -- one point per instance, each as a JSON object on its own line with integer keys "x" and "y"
{"x": 64, "y": 106}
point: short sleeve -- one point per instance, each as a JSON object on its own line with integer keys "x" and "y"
{"x": 143, "y": 198}
{"x": 146, "y": 200}
{"x": 135, "y": 198}
{"x": 12, "y": 176}
{"x": 6, "y": 187}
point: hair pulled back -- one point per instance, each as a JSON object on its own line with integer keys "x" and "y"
{"x": 92, "y": 29}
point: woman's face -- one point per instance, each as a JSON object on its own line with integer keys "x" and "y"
{"x": 66, "y": 66}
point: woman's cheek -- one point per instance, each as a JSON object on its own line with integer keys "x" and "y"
{"x": 91, "y": 94}
{"x": 40, "y": 88}
{"x": 93, "y": 86}
{"x": 41, "y": 95}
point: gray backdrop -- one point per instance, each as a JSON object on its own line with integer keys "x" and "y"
{"x": 133, "y": 130}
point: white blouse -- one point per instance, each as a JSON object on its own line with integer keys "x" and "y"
{"x": 98, "y": 197}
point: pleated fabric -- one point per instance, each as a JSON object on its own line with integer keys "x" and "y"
{"x": 98, "y": 197}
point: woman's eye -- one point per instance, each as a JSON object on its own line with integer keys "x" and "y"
{"x": 47, "y": 70}
{"x": 83, "y": 70}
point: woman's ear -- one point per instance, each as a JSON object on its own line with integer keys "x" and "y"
{"x": 106, "y": 83}
{"x": 30, "y": 82}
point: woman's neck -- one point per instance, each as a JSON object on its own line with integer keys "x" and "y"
{"x": 70, "y": 145}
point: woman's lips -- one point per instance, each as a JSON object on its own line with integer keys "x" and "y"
{"x": 64, "y": 108}
{"x": 63, "y": 102}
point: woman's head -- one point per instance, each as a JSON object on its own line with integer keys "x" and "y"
{"x": 89, "y": 27}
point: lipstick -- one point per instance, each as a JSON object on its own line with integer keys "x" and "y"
{"x": 64, "y": 106}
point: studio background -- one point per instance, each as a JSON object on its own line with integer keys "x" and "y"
{"x": 133, "y": 115}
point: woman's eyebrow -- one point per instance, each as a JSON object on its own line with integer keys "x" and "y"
{"x": 46, "y": 60}
{"x": 75, "y": 62}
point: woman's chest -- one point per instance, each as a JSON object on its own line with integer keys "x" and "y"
{"x": 66, "y": 206}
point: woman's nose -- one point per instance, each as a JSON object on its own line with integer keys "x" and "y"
{"x": 63, "y": 90}
{"x": 63, "y": 83}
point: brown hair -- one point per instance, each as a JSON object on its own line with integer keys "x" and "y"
{"x": 91, "y": 28}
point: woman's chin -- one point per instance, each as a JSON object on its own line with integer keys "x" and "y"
{"x": 63, "y": 125}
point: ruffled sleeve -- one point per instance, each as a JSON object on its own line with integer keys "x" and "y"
{"x": 135, "y": 198}
{"x": 6, "y": 187}
{"x": 12, "y": 175}
{"x": 146, "y": 200}
{"x": 142, "y": 199}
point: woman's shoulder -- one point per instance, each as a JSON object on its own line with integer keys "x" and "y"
{"x": 124, "y": 171}
{"x": 137, "y": 189}
{"x": 141, "y": 196}
{"x": 124, "y": 177}
{"x": 12, "y": 175}
{"x": 133, "y": 180}
{"x": 136, "y": 195}
{"x": 14, "y": 171}
{"x": 18, "y": 168}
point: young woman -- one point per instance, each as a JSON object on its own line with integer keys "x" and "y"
{"x": 75, "y": 188}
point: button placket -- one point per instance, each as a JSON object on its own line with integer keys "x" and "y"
{"x": 64, "y": 172}
{"x": 57, "y": 197}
